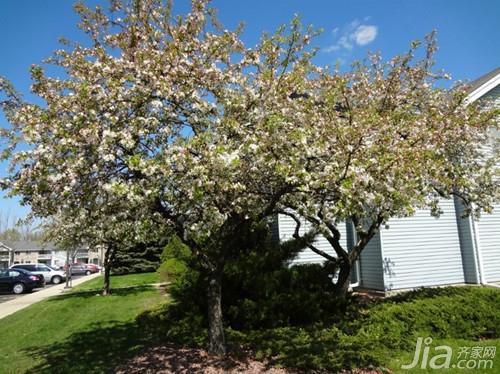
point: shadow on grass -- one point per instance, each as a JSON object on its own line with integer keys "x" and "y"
{"x": 125, "y": 291}
{"x": 97, "y": 350}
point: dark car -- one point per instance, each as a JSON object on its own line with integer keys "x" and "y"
{"x": 18, "y": 281}
{"x": 40, "y": 283}
{"x": 41, "y": 279}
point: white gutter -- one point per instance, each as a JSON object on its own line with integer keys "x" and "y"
{"x": 483, "y": 89}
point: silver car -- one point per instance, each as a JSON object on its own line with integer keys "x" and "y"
{"x": 50, "y": 275}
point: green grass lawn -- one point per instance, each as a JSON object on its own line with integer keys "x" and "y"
{"x": 78, "y": 332}
{"x": 118, "y": 281}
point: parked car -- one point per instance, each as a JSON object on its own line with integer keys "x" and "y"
{"x": 41, "y": 279}
{"x": 93, "y": 268}
{"x": 18, "y": 281}
{"x": 80, "y": 269}
{"x": 50, "y": 275}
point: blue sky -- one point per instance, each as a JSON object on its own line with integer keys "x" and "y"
{"x": 468, "y": 34}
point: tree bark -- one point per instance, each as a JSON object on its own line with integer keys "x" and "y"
{"x": 106, "y": 285}
{"x": 68, "y": 270}
{"x": 217, "y": 341}
{"x": 342, "y": 285}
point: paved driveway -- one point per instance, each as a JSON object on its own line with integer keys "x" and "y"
{"x": 12, "y": 303}
{"x": 6, "y": 296}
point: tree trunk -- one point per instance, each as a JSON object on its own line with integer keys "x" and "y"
{"x": 217, "y": 343}
{"x": 342, "y": 285}
{"x": 107, "y": 270}
{"x": 67, "y": 267}
{"x": 105, "y": 287}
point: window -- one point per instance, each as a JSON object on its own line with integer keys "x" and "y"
{"x": 42, "y": 268}
{"x": 26, "y": 267}
{"x": 14, "y": 274}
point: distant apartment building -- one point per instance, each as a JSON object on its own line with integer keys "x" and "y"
{"x": 6, "y": 256}
{"x": 30, "y": 252}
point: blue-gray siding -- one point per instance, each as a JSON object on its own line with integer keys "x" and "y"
{"x": 422, "y": 250}
{"x": 372, "y": 275}
{"x": 489, "y": 235}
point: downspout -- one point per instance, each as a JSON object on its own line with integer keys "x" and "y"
{"x": 358, "y": 275}
{"x": 356, "y": 264}
{"x": 477, "y": 249}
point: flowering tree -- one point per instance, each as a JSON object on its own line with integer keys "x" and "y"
{"x": 380, "y": 142}
{"x": 168, "y": 115}
{"x": 173, "y": 119}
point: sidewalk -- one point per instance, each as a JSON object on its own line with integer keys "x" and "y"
{"x": 9, "y": 307}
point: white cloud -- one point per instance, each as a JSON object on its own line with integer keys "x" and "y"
{"x": 365, "y": 34}
{"x": 352, "y": 34}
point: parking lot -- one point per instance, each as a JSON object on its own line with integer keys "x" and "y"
{"x": 4, "y": 296}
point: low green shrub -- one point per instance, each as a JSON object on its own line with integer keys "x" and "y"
{"x": 452, "y": 312}
{"x": 367, "y": 335}
{"x": 315, "y": 347}
{"x": 259, "y": 289}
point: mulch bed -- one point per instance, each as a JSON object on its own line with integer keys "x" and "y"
{"x": 171, "y": 359}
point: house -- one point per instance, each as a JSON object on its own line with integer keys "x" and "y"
{"x": 6, "y": 256}
{"x": 26, "y": 252}
{"x": 422, "y": 250}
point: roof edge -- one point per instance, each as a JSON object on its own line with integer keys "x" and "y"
{"x": 482, "y": 85}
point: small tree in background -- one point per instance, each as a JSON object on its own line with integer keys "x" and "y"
{"x": 110, "y": 226}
